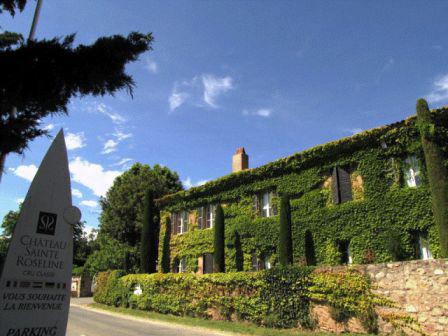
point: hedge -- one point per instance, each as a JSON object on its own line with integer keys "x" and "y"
{"x": 279, "y": 297}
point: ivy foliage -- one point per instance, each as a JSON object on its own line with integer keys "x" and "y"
{"x": 380, "y": 224}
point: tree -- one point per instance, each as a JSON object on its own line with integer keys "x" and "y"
{"x": 437, "y": 173}
{"x": 150, "y": 236}
{"x": 8, "y": 224}
{"x": 285, "y": 236}
{"x": 38, "y": 78}
{"x": 218, "y": 243}
{"x": 123, "y": 207}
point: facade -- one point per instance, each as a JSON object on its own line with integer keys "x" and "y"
{"x": 359, "y": 200}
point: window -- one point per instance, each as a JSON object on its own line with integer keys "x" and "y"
{"x": 341, "y": 186}
{"x": 200, "y": 218}
{"x": 180, "y": 265}
{"x": 412, "y": 171}
{"x": 262, "y": 263}
{"x": 344, "y": 249}
{"x": 210, "y": 216}
{"x": 266, "y": 259}
{"x": 179, "y": 222}
{"x": 208, "y": 263}
{"x": 264, "y": 205}
{"x": 423, "y": 247}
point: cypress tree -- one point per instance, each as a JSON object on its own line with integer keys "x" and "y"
{"x": 437, "y": 173}
{"x": 165, "y": 261}
{"x": 218, "y": 255}
{"x": 285, "y": 235}
{"x": 149, "y": 241}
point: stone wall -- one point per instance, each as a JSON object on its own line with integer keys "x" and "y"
{"x": 419, "y": 287}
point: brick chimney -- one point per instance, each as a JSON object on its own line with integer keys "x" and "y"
{"x": 240, "y": 161}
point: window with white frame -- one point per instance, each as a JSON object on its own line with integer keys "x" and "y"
{"x": 423, "y": 246}
{"x": 264, "y": 205}
{"x": 180, "y": 221}
{"x": 266, "y": 260}
{"x": 180, "y": 265}
{"x": 412, "y": 171}
{"x": 209, "y": 216}
{"x": 261, "y": 263}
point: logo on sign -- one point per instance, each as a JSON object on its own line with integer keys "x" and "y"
{"x": 47, "y": 223}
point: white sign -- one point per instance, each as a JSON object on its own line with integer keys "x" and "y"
{"x": 36, "y": 278}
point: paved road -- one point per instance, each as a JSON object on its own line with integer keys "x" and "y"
{"x": 84, "y": 322}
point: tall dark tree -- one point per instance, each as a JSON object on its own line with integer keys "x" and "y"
{"x": 149, "y": 237}
{"x": 437, "y": 172}
{"x": 285, "y": 236}
{"x": 218, "y": 243}
{"x": 123, "y": 208}
{"x": 38, "y": 78}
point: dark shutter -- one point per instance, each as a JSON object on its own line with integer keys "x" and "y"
{"x": 200, "y": 218}
{"x": 335, "y": 186}
{"x": 174, "y": 223}
{"x": 256, "y": 204}
{"x": 345, "y": 185}
{"x": 208, "y": 263}
{"x": 341, "y": 185}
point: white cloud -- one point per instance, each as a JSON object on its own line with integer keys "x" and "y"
{"x": 355, "y": 130}
{"x": 176, "y": 99}
{"x": 188, "y": 183}
{"x": 122, "y": 162}
{"x": 76, "y": 193}
{"x": 49, "y": 127}
{"x": 151, "y": 66}
{"x": 75, "y": 140}
{"x": 92, "y": 175}
{"x": 440, "y": 90}
{"x": 19, "y": 200}
{"x": 107, "y": 111}
{"x": 120, "y": 135}
{"x": 214, "y": 87}
{"x": 202, "y": 91}
{"x": 262, "y": 112}
{"x": 25, "y": 172}
{"x": 89, "y": 203}
{"x": 90, "y": 229}
{"x": 110, "y": 146}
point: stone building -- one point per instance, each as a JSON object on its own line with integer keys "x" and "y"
{"x": 358, "y": 200}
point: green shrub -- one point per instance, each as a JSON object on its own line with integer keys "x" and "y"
{"x": 109, "y": 289}
{"x": 279, "y": 297}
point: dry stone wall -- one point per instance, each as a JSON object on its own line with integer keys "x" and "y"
{"x": 419, "y": 287}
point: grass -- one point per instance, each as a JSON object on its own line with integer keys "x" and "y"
{"x": 233, "y": 327}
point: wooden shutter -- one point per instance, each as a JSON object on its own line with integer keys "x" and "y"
{"x": 174, "y": 223}
{"x": 341, "y": 186}
{"x": 256, "y": 204}
{"x": 200, "y": 218}
{"x": 335, "y": 186}
{"x": 345, "y": 185}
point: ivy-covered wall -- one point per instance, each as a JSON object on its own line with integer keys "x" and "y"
{"x": 379, "y": 224}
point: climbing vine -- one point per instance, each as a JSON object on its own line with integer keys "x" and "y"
{"x": 380, "y": 224}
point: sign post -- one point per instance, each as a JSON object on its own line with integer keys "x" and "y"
{"x": 36, "y": 277}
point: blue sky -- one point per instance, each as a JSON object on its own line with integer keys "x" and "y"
{"x": 275, "y": 77}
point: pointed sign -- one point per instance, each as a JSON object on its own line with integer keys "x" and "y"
{"x": 36, "y": 276}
